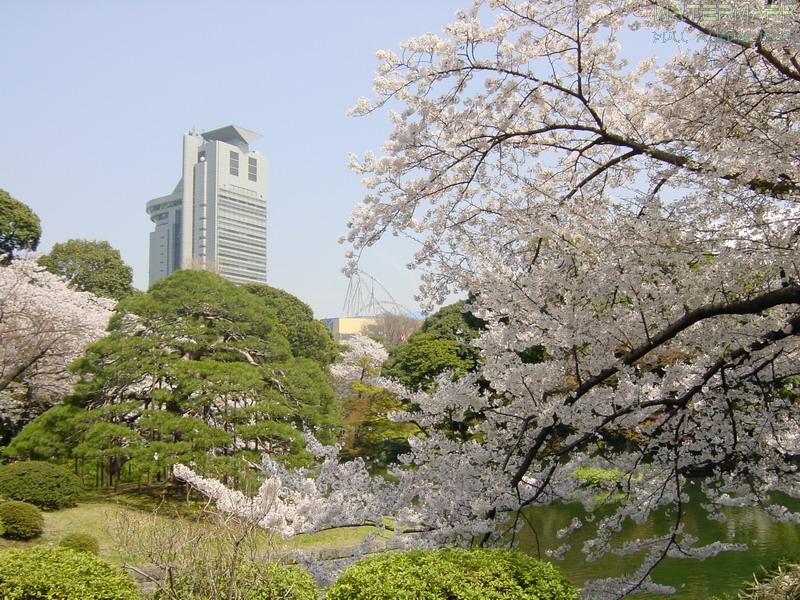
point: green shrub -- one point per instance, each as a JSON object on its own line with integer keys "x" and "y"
{"x": 22, "y": 520}
{"x": 597, "y": 477}
{"x": 285, "y": 583}
{"x": 478, "y": 574}
{"x": 61, "y": 574}
{"x": 80, "y": 542}
{"x": 46, "y": 485}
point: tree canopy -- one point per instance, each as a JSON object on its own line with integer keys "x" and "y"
{"x": 639, "y": 222}
{"x": 90, "y": 266}
{"x": 20, "y": 228}
{"x": 195, "y": 369}
{"x": 308, "y": 337}
{"x": 443, "y": 343}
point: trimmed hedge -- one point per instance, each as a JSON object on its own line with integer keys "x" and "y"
{"x": 22, "y": 520}
{"x": 80, "y": 542}
{"x": 286, "y": 583}
{"x": 60, "y": 574}
{"x": 46, "y": 485}
{"x": 477, "y": 574}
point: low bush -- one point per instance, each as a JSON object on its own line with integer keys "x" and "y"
{"x": 280, "y": 582}
{"x": 478, "y": 574}
{"x": 80, "y": 542}
{"x": 61, "y": 574}
{"x": 22, "y": 520}
{"x": 597, "y": 477}
{"x": 46, "y": 485}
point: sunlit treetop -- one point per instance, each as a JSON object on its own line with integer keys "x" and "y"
{"x": 20, "y": 229}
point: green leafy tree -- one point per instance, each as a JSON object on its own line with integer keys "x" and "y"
{"x": 367, "y": 399}
{"x": 20, "y": 228}
{"x": 90, "y": 266}
{"x": 307, "y": 336}
{"x": 417, "y": 363}
{"x": 370, "y": 433}
{"x": 454, "y": 322}
{"x": 442, "y": 344}
{"x": 445, "y": 343}
{"x": 195, "y": 370}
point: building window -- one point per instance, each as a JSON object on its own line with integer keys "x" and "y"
{"x": 234, "y": 163}
{"x": 201, "y": 156}
{"x": 252, "y": 169}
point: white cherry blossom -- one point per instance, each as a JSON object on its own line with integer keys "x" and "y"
{"x": 639, "y": 222}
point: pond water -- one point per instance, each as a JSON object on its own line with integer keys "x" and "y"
{"x": 693, "y": 579}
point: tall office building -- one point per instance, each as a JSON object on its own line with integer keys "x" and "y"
{"x": 216, "y": 217}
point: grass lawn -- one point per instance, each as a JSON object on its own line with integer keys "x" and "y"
{"x": 341, "y": 537}
{"x": 98, "y": 515}
{"x": 95, "y": 518}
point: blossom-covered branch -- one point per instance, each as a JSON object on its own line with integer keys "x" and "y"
{"x": 44, "y": 326}
{"x": 638, "y": 222}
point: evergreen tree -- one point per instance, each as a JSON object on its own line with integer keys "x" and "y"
{"x": 197, "y": 369}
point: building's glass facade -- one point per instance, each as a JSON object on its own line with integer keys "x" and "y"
{"x": 216, "y": 218}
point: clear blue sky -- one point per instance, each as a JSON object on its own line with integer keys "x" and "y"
{"x": 96, "y": 95}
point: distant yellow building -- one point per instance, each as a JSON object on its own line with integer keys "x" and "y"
{"x": 344, "y": 327}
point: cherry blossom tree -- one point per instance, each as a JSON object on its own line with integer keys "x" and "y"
{"x": 368, "y": 398}
{"x": 639, "y": 221}
{"x": 361, "y": 360}
{"x": 44, "y": 326}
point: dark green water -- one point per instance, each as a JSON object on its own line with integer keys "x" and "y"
{"x": 693, "y": 579}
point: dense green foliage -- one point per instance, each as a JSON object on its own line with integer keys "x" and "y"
{"x": 195, "y": 370}
{"x": 20, "y": 228}
{"x": 285, "y": 583}
{"x": 80, "y": 542}
{"x": 50, "y": 436}
{"x": 442, "y": 344}
{"x": 90, "y": 266}
{"x": 597, "y": 477}
{"x": 478, "y": 574}
{"x": 369, "y": 433}
{"x": 23, "y": 521}
{"x": 46, "y": 485}
{"x": 417, "y": 363}
{"x": 61, "y": 574}
{"x": 308, "y": 337}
